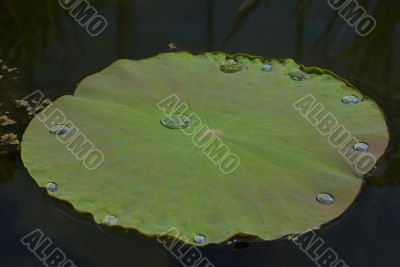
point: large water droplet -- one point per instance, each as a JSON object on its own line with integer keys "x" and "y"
{"x": 350, "y": 99}
{"x": 110, "y": 220}
{"x": 199, "y": 239}
{"x": 361, "y": 147}
{"x": 231, "y": 66}
{"x": 176, "y": 121}
{"x": 52, "y": 187}
{"x": 325, "y": 198}
{"x": 60, "y": 129}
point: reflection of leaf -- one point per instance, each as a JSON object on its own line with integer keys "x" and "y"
{"x": 380, "y": 43}
{"x": 154, "y": 178}
{"x": 299, "y": 15}
{"x": 24, "y": 27}
{"x": 301, "y": 7}
{"x": 377, "y": 47}
{"x": 245, "y": 10}
{"x": 7, "y": 169}
{"x": 247, "y": 4}
{"x": 328, "y": 29}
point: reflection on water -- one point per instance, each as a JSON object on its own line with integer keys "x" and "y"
{"x": 53, "y": 53}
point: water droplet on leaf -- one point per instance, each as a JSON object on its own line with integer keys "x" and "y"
{"x": 52, "y": 187}
{"x": 231, "y": 66}
{"x": 350, "y": 99}
{"x": 361, "y": 147}
{"x": 325, "y": 198}
{"x": 60, "y": 129}
{"x": 267, "y": 68}
{"x": 200, "y": 239}
{"x": 176, "y": 121}
{"x": 110, "y": 220}
{"x": 297, "y": 75}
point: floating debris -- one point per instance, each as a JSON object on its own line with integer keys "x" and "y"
{"x": 46, "y": 101}
{"x": 7, "y": 70}
{"x": 21, "y": 103}
{"x": 12, "y": 69}
{"x": 9, "y": 139}
{"x": 5, "y": 121}
{"x": 172, "y": 46}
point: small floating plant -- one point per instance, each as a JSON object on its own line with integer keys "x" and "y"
{"x": 291, "y": 177}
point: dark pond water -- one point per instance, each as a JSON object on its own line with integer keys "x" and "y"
{"x": 53, "y": 53}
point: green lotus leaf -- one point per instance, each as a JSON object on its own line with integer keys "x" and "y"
{"x": 211, "y": 145}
